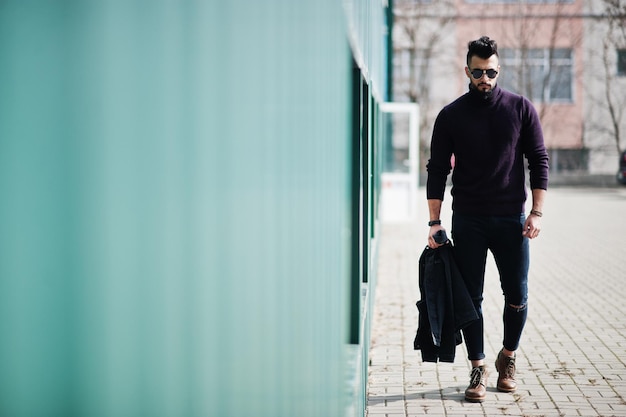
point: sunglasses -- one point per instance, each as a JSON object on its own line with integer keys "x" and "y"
{"x": 478, "y": 73}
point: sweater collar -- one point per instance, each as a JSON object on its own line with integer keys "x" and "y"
{"x": 481, "y": 97}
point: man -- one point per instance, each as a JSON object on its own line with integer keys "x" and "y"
{"x": 489, "y": 131}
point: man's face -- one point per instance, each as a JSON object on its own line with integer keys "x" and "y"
{"x": 483, "y": 68}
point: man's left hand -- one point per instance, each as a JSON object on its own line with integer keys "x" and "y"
{"x": 532, "y": 226}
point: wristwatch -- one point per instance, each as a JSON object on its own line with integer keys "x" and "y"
{"x": 434, "y": 222}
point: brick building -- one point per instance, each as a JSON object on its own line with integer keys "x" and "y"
{"x": 568, "y": 57}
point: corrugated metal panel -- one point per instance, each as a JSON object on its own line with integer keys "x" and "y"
{"x": 175, "y": 225}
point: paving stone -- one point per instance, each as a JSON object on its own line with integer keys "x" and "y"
{"x": 572, "y": 357}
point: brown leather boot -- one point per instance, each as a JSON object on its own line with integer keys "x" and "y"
{"x": 477, "y": 390}
{"x": 506, "y": 373}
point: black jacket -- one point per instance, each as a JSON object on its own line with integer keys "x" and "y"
{"x": 445, "y": 306}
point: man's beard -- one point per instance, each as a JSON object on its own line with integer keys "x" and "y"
{"x": 485, "y": 94}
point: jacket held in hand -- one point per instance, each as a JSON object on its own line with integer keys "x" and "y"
{"x": 445, "y": 306}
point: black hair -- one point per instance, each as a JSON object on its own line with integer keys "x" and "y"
{"x": 483, "y": 48}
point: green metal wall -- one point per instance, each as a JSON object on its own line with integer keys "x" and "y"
{"x": 176, "y": 214}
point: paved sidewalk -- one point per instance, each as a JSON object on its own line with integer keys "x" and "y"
{"x": 572, "y": 357}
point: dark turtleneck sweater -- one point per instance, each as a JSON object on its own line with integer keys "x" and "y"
{"x": 489, "y": 136}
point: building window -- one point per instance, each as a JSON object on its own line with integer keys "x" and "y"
{"x": 410, "y": 74}
{"x": 542, "y": 75}
{"x": 621, "y": 62}
{"x": 569, "y": 160}
{"x": 401, "y": 75}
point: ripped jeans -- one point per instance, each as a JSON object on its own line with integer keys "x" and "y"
{"x": 473, "y": 236}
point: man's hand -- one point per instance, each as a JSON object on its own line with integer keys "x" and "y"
{"x": 532, "y": 226}
{"x": 431, "y": 233}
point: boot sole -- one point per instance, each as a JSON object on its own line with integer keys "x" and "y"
{"x": 475, "y": 400}
{"x": 506, "y": 389}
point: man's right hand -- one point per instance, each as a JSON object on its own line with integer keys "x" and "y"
{"x": 431, "y": 233}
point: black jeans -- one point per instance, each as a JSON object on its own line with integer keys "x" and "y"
{"x": 473, "y": 236}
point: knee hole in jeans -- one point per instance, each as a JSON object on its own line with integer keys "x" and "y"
{"x": 517, "y": 308}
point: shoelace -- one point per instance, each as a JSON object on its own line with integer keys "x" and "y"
{"x": 509, "y": 371}
{"x": 476, "y": 377}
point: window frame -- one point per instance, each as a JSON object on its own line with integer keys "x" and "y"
{"x": 541, "y": 71}
{"x": 620, "y": 65}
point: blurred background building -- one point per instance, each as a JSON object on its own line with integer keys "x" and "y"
{"x": 567, "y": 56}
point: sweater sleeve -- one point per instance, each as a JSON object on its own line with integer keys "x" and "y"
{"x": 534, "y": 148}
{"x": 439, "y": 165}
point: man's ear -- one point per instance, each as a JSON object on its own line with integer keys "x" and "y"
{"x": 467, "y": 72}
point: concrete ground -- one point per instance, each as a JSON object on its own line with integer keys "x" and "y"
{"x": 572, "y": 358}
